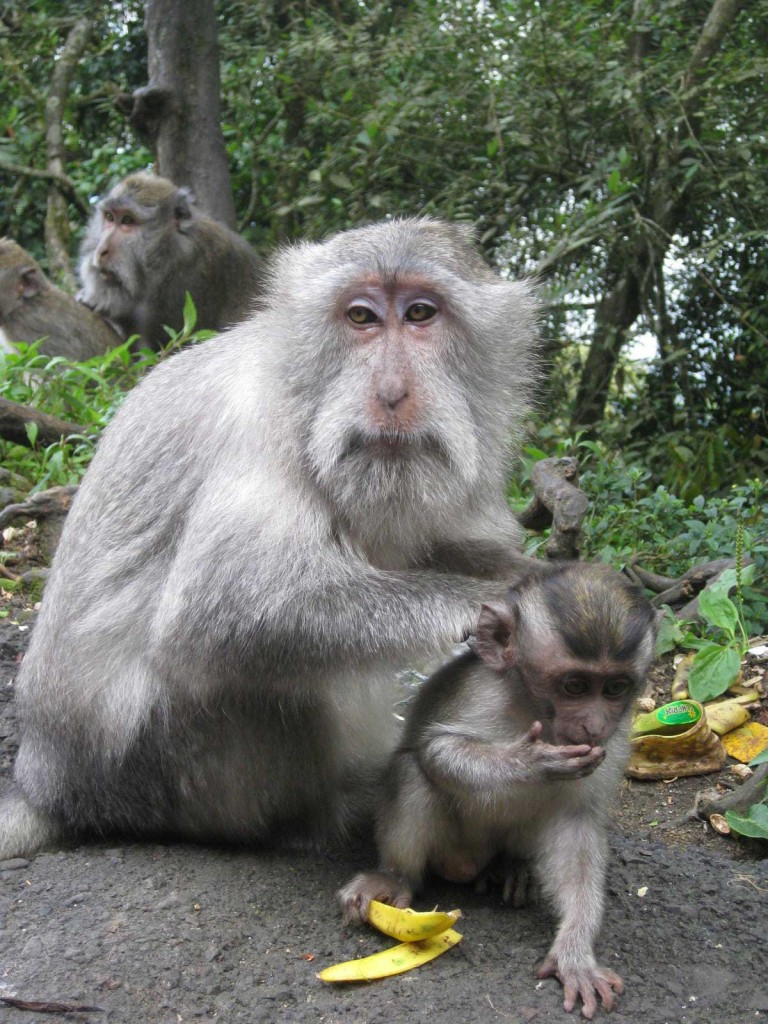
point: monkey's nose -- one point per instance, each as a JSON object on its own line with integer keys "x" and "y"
{"x": 392, "y": 394}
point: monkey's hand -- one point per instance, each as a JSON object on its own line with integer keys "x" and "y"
{"x": 355, "y": 897}
{"x": 584, "y": 981}
{"x": 547, "y": 761}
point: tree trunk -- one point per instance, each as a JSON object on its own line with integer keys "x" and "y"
{"x": 614, "y": 315}
{"x": 57, "y": 233}
{"x": 179, "y": 111}
{"x": 643, "y": 258}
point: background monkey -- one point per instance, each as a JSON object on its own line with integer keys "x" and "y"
{"x": 513, "y": 753}
{"x": 266, "y": 530}
{"x": 32, "y": 308}
{"x": 148, "y": 244}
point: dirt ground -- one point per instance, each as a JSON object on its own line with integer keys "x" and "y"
{"x": 159, "y": 934}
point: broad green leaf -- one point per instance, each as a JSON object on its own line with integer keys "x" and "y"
{"x": 718, "y": 609}
{"x": 726, "y": 581}
{"x": 754, "y": 823}
{"x": 31, "y": 430}
{"x": 760, "y": 759}
{"x": 712, "y": 671}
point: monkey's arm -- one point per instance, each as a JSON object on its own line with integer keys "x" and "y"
{"x": 473, "y": 764}
{"x": 269, "y": 586}
{"x": 572, "y": 860}
{"x": 484, "y": 559}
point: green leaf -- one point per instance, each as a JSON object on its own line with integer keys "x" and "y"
{"x": 190, "y": 314}
{"x": 31, "y": 430}
{"x": 712, "y": 671}
{"x": 717, "y": 608}
{"x": 670, "y": 634}
{"x": 726, "y": 581}
{"x": 761, "y": 758}
{"x": 754, "y": 823}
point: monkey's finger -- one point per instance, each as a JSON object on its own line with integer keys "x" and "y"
{"x": 534, "y": 732}
{"x": 572, "y": 990}
{"x": 609, "y": 986}
{"x": 576, "y": 750}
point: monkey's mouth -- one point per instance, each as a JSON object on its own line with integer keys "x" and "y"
{"x": 394, "y": 446}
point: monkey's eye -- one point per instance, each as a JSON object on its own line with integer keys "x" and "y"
{"x": 575, "y": 686}
{"x": 419, "y": 312}
{"x": 362, "y": 315}
{"x": 127, "y": 219}
{"x": 616, "y": 687}
{"x": 109, "y": 216}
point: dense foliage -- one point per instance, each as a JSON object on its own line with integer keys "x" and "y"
{"x": 600, "y": 146}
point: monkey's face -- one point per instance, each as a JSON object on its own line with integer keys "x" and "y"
{"x": 117, "y": 253}
{"x": 126, "y": 236}
{"x": 575, "y": 646}
{"x": 395, "y": 423}
{"x": 579, "y": 702}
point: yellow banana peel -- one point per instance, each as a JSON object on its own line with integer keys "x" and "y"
{"x": 410, "y": 925}
{"x": 392, "y": 961}
{"x": 726, "y": 716}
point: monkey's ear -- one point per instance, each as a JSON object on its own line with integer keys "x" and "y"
{"x": 495, "y": 637}
{"x": 183, "y": 209}
{"x": 28, "y": 284}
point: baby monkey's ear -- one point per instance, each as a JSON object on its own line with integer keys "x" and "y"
{"x": 496, "y": 637}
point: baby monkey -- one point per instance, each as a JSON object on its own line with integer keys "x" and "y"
{"x": 512, "y": 755}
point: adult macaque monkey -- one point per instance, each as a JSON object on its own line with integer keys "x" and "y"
{"x": 31, "y": 308}
{"x": 266, "y": 530}
{"x": 148, "y": 244}
{"x": 513, "y": 753}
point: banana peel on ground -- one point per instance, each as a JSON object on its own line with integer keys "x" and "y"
{"x": 433, "y": 929}
{"x": 676, "y": 750}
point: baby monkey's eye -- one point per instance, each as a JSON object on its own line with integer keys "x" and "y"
{"x": 361, "y": 315}
{"x": 575, "y": 686}
{"x": 419, "y": 312}
{"x": 616, "y": 687}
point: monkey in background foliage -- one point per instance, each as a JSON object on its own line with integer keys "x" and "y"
{"x": 31, "y": 308}
{"x": 146, "y": 245}
{"x": 273, "y": 522}
{"x": 513, "y": 753}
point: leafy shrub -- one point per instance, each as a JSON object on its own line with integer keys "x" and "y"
{"x": 630, "y": 518}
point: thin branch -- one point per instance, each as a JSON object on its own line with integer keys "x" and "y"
{"x": 56, "y": 220}
{"x": 63, "y": 181}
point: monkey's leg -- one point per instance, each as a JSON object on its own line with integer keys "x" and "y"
{"x": 513, "y": 874}
{"x": 408, "y": 821}
{"x": 571, "y": 864}
{"x": 25, "y": 829}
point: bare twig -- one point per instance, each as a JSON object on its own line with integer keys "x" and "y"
{"x": 14, "y": 418}
{"x": 63, "y": 181}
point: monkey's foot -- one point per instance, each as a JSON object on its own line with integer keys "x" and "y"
{"x": 584, "y": 982}
{"x": 355, "y": 897}
{"x": 514, "y": 876}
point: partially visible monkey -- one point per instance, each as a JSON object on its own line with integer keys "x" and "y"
{"x": 148, "y": 244}
{"x": 273, "y": 522}
{"x": 513, "y": 753}
{"x": 32, "y": 308}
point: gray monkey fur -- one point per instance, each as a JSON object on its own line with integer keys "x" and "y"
{"x": 33, "y": 308}
{"x": 236, "y": 581}
{"x": 175, "y": 249}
